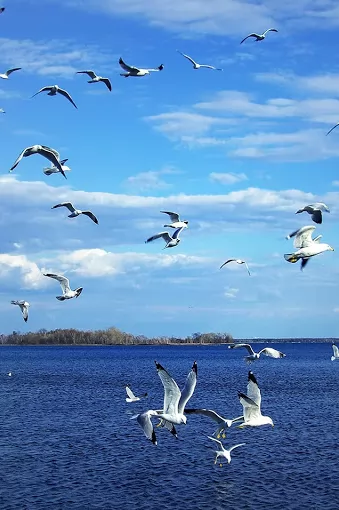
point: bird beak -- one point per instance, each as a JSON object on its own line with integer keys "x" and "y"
{"x": 272, "y": 424}
{"x": 332, "y": 249}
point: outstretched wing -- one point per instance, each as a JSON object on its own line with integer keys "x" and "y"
{"x": 126, "y": 67}
{"x": 217, "y": 441}
{"x": 19, "y": 158}
{"x": 69, "y": 206}
{"x": 64, "y": 282}
{"x": 207, "y": 412}
{"x": 335, "y": 351}
{"x": 129, "y": 392}
{"x": 227, "y": 261}
{"x": 236, "y": 446}
{"x": 250, "y": 35}
{"x": 303, "y": 236}
{"x": 189, "y": 388}
{"x": 144, "y": 420}
{"x": 107, "y": 82}
{"x": 10, "y": 71}
{"x": 165, "y": 235}
{"x": 67, "y": 96}
{"x": 91, "y": 215}
{"x": 332, "y": 129}
{"x": 91, "y": 74}
{"x": 174, "y": 216}
{"x": 171, "y": 390}
{"x": 272, "y": 353}
{"x": 188, "y": 57}
{"x": 177, "y": 232}
{"x": 246, "y": 346}
{"x": 250, "y": 408}
{"x": 211, "y": 67}
{"x": 270, "y": 30}
{"x": 253, "y": 391}
{"x": 44, "y": 89}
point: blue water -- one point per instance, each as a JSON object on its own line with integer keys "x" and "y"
{"x": 67, "y": 441}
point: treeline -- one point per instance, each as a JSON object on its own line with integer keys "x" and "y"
{"x": 110, "y": 336}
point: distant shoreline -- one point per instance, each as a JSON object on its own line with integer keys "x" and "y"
{"x": 183, "y": 344}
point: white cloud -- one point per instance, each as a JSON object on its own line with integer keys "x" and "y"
{"x": 29, "y": 271}
{"x": 227, "y": 178}
{"x": 179, "y": 124}
{"x": 230, "y": 292}
{"x": 147, "y": 181}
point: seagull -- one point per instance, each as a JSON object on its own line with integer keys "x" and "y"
{"x": 135, "y": 71}
{"x": 67, "y": 293}
{"x": 76, "y": 212}
{"x": 222, "y": 422}
{"x": 145, "y": 422}
{"x": 196, "y": 65}
{"x": 5, "y": 75}
{"x": 335, "y": 353}
{"x": 2, "y": 110}
{"x": 251, "y": 405}
{"x": 2, "y": 9}
{"x": 54, "y": 170}
{"x": 176, "y": 222}
{"x": 315, "y": 211}
{"x": 95, "y": 78}
{"x": 223, "y": 452}
{"x": 54, "y": 90}
{"x": 306, "y": 246}
{"x": 23, "y": 307}
{"x": 238, "y": 261}
{"x": 259, "y": 37}
{"x": 170, "y": 241}
{"x": 51, "y": 154}
{"x": 131, "y": 397}
{"x": 267, "y": 351}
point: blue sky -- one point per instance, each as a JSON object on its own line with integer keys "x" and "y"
{"x": 235, "y": 152}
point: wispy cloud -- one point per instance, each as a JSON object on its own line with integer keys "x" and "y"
{"x": 148, "y": 181}
{"x": 227, "y": 178}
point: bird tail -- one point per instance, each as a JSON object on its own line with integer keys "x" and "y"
{"x": 291, "y": 257}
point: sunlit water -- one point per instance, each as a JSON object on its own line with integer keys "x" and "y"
{"x": 67, "y": 441}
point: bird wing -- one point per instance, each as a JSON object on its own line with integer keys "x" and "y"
{"x": 127, "y": 67}
{"x": 13, "y": 302}
{"x": 24, "y": 310}
{"x": 165, "y": 235}
{"x": 253, "y": 391}
{"x": 210, "y": 67}
{"x": 189, "y": 388}
{"x": 129, "y": 392}
{"x": 335, "y": 351}
{"x": 160, "y": 68}
{"x": 270, "y": 30}
{"x": 107, "y": 83}
{"x": 42, "y": 90}
{"x": 227, "y": 261}
{"x": 91, "y": 215}
{"x": 247, "y": 268}
{"x": 10, "y": 71}
{"x": 64, "y": 282}
{"x": 272, "y": 353}
{"x": 332, "y": 129}
{"x": 177, "y": 232}
{"x": 91, "y": 74}
{"x": 247, "y": 346}
{"x": 174, "y": 216}
{"x": 236, "y": 446}
{"x": 69, "y": 206}
{"x": 250, "y": 35}
{"x": 56, "y": 154}
{"x": 144, "y": 420}
{"x": 304, "y": 261}
{"x": 53, "y": 156}
{"x": 67, "y": 96}
{"x": 217, "y": 441}
{"x": 171, "y": 390}
{"x": 250, "y": 408}
{"x": 19, "y": 158}
{"x": 207, "y": 412}
{"x": 317, "y": 217}
{"x": 188, "y": 57}
{"x": 303, "y": 236}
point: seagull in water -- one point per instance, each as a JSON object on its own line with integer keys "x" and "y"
{"x": 223, "y": 452}
{"x": 259, "y": 37}
{"x": 315, "y": 211}
{"x": 24, "y": 305}
{"x": 5, "y": 75}
{"x": 222, "y": 422}
{"x": 53, "y": 90}
{"x": 76, "y": 212}
{"x": 136, "y": 71}
{"x": 51, "y": 154}
{"x": 131, "y": 397}
{"x": 196, "y": 65}
{"x": 335, "y": 356}
{"x": 175, "y": 219}
{"x": 306, "y": 246}
{"x": 54, "y": 170}
{"x": 253, "y": 356}
{"x": 95, "y": 78}
{"x": 238, "y": 261}
{"x": 251, "y": 405}
{"x": 67, "y": 293}
{"x": 170, "y": 241}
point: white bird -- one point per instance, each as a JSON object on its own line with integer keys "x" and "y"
{"x": 223, "y": 452}
{"x": 9, "y": 374}
{"x": 170, "y": 241}
{"x": 54, "y": 170}
{"x": 136, "y": 71}
{"x": 76, "y": 212}
{"x": 306, "y": 246}
{"x": 145, "y": 422}
{"x": 259, "y": 37}
{"x": 95, "y": 78}
{"x": 24, "y": 305}
{"x": 335, "y": 356}
{"x": 222, "y": 422}
{"x": 315, "y": 211}
{"x": 2, "y": 110}
{"x": 67, "y": 293}
{"x": 131, "y": 397}
{"x": 251, "y": 405}
{"x": 267, "y": 351}
{"x": 47, "y": 152}
{"x": 5, "y": 75}
{"x": 238, "y": 261}
{"x": 196, "y": 65}
{"x": 175, "y": 219}
{"x": 54, "y": 90}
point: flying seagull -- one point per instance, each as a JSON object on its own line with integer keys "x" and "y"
{"x": 5, "y": 75}
{"x": 54, "y": 170}
{"x": 315, "y": 211}
{"x": 222, "y": 422}
{"x": 136, "y": 71}
{"x": 306, "y": 246}
{"x": 2, "y": 110}
{"x": 23, "y": 307}
{"x": 145, "y": 422}
{"x": 95, "y": 78}
{"x": 2, "y": 9}
{"x": 267, "y": 351}
{"x": 170, "y": 241}
{"x": 131, "y": 397}
{"x": 76, "y": 212}
{"x": 51, "y": 154}
{"x": 67, "y": 293}
{"x": 335, "y": 356}
{"x": 223, "y": 452}
{"x": 196, "y": 65}
{"x": 259, "y": 37}
{"x": 251, "y": 405}
{"x": 175, "y": 219}
{"x": 238, "y": 261}
{"x": 54, "y": 90}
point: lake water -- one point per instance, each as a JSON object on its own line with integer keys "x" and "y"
{"x": 67, "y": 441}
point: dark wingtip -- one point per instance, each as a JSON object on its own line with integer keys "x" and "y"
{"x": 251, "y": 377}
{"x": 154, "y": 439}
{"x": 158, "y": 366}
{"x": 195, "y": 367}
{"x": 25, "y": 319}
{"x": 241, "y": 395}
